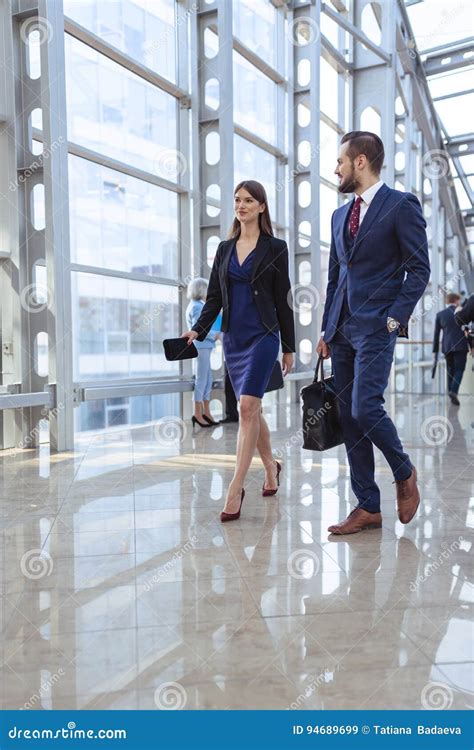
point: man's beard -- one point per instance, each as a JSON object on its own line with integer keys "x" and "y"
{"x": 349, "y": 184}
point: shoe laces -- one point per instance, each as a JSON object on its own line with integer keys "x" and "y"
{"x": 403, "y": 487}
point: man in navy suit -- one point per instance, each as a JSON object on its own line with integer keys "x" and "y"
{"x": 378, "y": 270}
{"x": 454, "y": 344}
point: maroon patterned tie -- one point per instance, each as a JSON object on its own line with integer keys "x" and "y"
{"x": 355, "y": 217}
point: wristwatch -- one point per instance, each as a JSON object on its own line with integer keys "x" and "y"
{"x": 392, "y": 324}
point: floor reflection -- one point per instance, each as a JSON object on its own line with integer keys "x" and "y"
{"x": 118, "y": 581}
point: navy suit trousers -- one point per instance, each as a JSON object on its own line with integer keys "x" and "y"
{"x": 361, "y": 366}
{"x": 455, "y": 365}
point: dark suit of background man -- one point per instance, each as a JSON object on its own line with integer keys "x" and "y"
{"x": 454, "y": 345}
{"x": 231, "y": 412}
{"x": 378, "y": 270}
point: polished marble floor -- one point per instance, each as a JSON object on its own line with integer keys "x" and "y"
{"x": 121, "y": 589}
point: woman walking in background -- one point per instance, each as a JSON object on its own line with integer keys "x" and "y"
{"x": 197, "y": 290}
{"x": 249, "y": 281}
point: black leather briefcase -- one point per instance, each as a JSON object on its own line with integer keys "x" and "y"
{"x": 321, "y": 417}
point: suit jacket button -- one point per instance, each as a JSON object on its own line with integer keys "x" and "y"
{"x": 255, "y": 292}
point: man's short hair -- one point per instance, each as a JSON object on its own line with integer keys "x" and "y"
{"x": 369, "y": 144}
{"x": 452, "y": 298}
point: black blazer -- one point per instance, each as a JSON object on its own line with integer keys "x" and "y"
{"x": 466, "y": 313}
{"x": 454, "y": 339}
{"x": 270, "y": 284}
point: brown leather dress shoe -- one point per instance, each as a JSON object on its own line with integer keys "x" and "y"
{"x": 357, "y": 520}
{"x": 408, "y": 497}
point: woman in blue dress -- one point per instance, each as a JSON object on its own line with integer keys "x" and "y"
{"x": 250, "y": 282}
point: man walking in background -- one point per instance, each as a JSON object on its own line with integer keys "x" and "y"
{"x": 378, "y": 270}
{"x": 454, "y": 345}
{"x": 231, "y": 411}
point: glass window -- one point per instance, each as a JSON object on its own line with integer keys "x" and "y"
{"x": 143, "y": 30}
{"x": 450, "y": 82}
{"x": 252, "y": 163}
{"x": 329, "y": 79}
{"x": 113, "y": 111}
{"x": 119, "y": 327}
{"x": 120, "y": 222}
{"x": 324, "y": 276}
{"x": 328, "y": 152}
{"x": 328, "y": 198}
{"x": 254, "y": 24}
{"x": 254, "y": 99}
{"x": 464, "y": 202}
{"x": 467, "y": 163}
{"x": 114, "y": 412}
{"x": 451, "y": 113}
{"x": 330, "y": 29}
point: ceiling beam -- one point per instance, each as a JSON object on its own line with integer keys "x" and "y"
{"x": 451, "y": 58}
{"x": 453, "y": 94}
{"x": 468, "y": 217}
{"x": 453, "y": 145}
{"x": 464, "y": 181}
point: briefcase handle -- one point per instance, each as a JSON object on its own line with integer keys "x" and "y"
{"x": 319, "y": 366}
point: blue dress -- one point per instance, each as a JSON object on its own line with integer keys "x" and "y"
{"x": 250, "y": 350}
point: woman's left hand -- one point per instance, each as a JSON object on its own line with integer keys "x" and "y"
{"x": 287, "y": 363}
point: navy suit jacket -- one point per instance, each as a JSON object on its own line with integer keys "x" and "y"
{"x": 454, "y": 339}
{"x": 387, "y": 269}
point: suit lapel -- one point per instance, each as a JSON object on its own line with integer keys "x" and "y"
{"x": 261, "y": 248}
{"x": 339, "y": 238}
{"x": 369, "y": 218}
{"x": 226, "y": 259}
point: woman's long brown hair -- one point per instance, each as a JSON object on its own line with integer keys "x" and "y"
{"x": 257, "y": 191}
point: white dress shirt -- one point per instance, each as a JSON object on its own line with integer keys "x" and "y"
{"x": 367, "y": 198}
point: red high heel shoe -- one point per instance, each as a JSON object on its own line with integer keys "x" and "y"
{"x": 267, "y": 493}
{"x": 233, "y": 516}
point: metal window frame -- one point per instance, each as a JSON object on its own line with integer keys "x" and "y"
{"x": 392, "y": 66}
